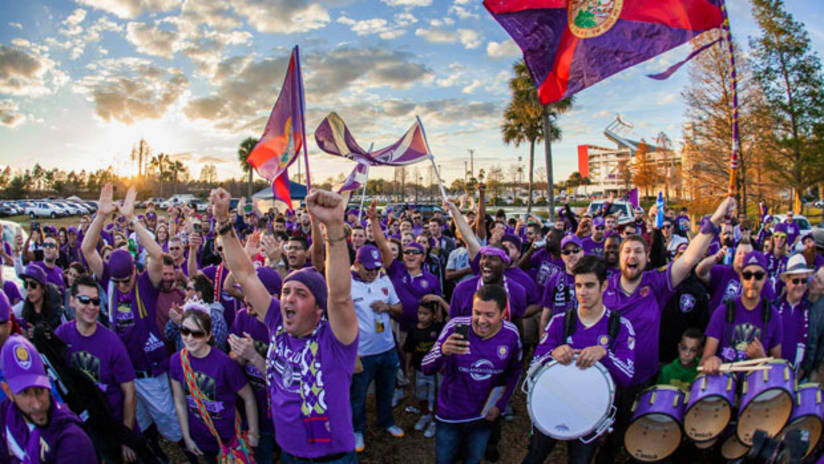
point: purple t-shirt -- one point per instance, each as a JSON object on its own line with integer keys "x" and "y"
{"x": 461, "y": 303}
{"x": 12, "y": 292}
{"x": 542, "y": 266}
{"x": 592, "y": 247}
{"x": 54, "y": 275}
{"x": 319, "y": 423}
{"x": 533, "y": 294}
{"x": 469, "y": 379}
{"x": 792, "y": 231}
{"x": 643, "y": 309}
{"x": 619, "y": 360}
{"x": 133, "y": 316}
{"x": 219, "y": 379}
{"x": 795, "y": 324}
{"x": 559, "y": 293}
{"x": 725, "y": 285}
{"x": 747, "y": 325}
{"x": 249, "y": 323}
{"x": 102, "y": 357}
{"x": 410, "y": 290}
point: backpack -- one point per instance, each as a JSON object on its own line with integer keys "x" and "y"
{"x": 613, "y": 325}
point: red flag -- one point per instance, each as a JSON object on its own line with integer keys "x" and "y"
{"x": 284, "y": 136}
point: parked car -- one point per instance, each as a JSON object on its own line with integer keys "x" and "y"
{"x": 398, "y": 208}
{"x": 200, "y": 205}
{"x": 71, "y": 208}
{"x": 181, "y": 199}
{"x": 44, "y": 209}
{"x": 623, "y": 207}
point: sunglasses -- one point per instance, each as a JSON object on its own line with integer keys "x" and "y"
{"x": 86, "y": 299}
{"x": 412, "y": 252}
{"x": 175, "y": 248}
{"x": 186, "y": 332}
{"x": 780, "y": 235}
{"x": 49, "y": 245}
{"x": 571, "y": 251}
{"x": 121, "y": 281}
{"x": 32, "y": 284}
{"x": 748, "y": 275}
{"x": 599, "y": 227}
{"x": 799, "y": 281}
{"x": 667, "y": 226}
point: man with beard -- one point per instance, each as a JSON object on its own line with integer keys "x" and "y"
{"x": 296, "y": 253}
{"x": 49, "y": 265}
{"x": 170, "y": 293}
{"x": 594, "y": 244}
{"x": 640, "y": 295}
{"x": 72, "y": 248}
{"x": 722, "y": 281}
{"x": 811, "y": 256}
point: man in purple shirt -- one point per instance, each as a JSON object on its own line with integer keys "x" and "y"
{"x": 559, "y": 293}
{"x": 795, "y": 310}
{"x": 793, "y": 231}
{"x": 312, "y": 344}
{"x": 640, "y": 295}
{"x": 591, "y": 341}
{"x": 723, "y": 281}
{"x": 133, "y": 315}
{"x": 480, "y": 358}
{"x": 35, "y": 427}
{"x": 49, "y": 264}
{"x": 747, "y": 327}
{"x": 594, "y": 244}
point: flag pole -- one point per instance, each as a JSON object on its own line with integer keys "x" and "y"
{"x": 736, "y": 142}
{"x": 303, "y": 121}
{"x": 366, "y": 181}
{"x": 432, "y": 158}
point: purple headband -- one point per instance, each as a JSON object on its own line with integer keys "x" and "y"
{"x": 493, "y": 251}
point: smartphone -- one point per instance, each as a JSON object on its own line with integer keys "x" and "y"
{"x": 197, "y": 227}
{"x": 35, "y": 226}
{"x": 540, "y": 243}
{"x": 462, "y": 330}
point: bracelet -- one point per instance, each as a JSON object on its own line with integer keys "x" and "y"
{"x": 331, "y": 241}
{"x": 709, "y": 228}
{"x": 225, "y": 227}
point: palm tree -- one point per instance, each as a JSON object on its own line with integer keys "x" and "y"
{"x": 139, "y": 153}
{"x": 523, "y": 119}
{"x": 160, "y": 163}
{"x": 243, "y": 152}
{"x": 176, "y": 168}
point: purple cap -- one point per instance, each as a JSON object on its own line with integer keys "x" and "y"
{"x": 151, "y": 215}
{"x": 598, "y": 221}
{"x": 754, "y": 258}
{"x": 5, "y": 308}
{"x": 494, "y": 251}
{"x": 35, "y": 272}
{"x": 22, "y": 365}
{"x": 571, "y": 239}
{"x": 416, "y": 246}
{"x": 512, "y": 238}
{"x": 369, "y": 256}
{"x": 780, "y": 228}
{"x": 314, "y": 281}
{"x": 270, "y": 279}
{"x": 808, "y": 235}
{"x": 72, "y": 230}
{"x": 121, "y": 264}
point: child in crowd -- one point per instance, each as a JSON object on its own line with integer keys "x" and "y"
{"x": 418, "y": 342}
{"x": 682, "y": 371}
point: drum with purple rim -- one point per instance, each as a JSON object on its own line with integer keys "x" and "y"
{"x": 766, "y": 400}
{"x": 808, "y": 413}
{"x": 710, "y": 405}
{"x": 654, "y": 431}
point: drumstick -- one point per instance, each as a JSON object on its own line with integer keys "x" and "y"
{"x": 753, "y": 361}
{"x": 734, "y": 368}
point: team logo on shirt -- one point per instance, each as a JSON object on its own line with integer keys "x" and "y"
{"x": 88, "y": 363}
{"x": 481, "y": 369}
{"x": 733, "y": 290}
{"x": 604, "y": 340}
{"x": 686, "y": 302}
{"x": 503, "y": 350}
{"x": 644, "y": 291}
{"x": 385, "y": 291}
{"x": 21, "y": 357}
{"x": 424, "y": 284}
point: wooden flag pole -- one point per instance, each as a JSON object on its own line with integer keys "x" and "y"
{"x": 736, "y": 142}
{"x": 432, "y": 159}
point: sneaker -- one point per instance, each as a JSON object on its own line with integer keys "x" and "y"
{"x": 401, "y": 379}
{"x": 359, "y": 446}
{"x": 397, "y": 396}
{"x": 509, "y": 413}
{"x": 430, "y": 430}
{"x": 412, "y": 410}
{"x": 421, "y": 424}
{"x": 396, "y": 431}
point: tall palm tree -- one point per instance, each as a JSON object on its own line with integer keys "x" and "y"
{"x": 141, "y": 152}
{"x": 243, "y": 152}
{"x": 523, "y": 119}
{"x": 160, "y": 163}
{"x": 177, "y": 168}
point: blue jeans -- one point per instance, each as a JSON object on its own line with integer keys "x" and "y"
{"x": 381, "y": 367}
{"x": 472, "y": 435}
{"x": 348, "y": 458}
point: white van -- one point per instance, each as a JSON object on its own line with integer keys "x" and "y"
{"x": 181, "y": 199}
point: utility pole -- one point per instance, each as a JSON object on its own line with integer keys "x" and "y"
{"x": 465, "y": 171}
{"x": 472, "y": 161}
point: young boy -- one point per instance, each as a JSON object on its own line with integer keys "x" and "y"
{"x": 418, "y": 342}
{"x": 682, "y": 371}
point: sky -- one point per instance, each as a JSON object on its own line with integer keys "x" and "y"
{"x": 82, "y": 81}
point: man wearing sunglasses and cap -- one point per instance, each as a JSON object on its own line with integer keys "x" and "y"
{"x": 133, "y": 315}
{"x": 747, "y": 327}
{"x": 36, "y": 427}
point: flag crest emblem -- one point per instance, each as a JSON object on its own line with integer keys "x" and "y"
{"x": 591, "y": 18}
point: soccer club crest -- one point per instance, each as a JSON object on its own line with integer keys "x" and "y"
{"x": 503, "y": 350}
{"x": 686, "y": 302}
{"x": 385, "y": 291}
{"x": 591, "y": 18}
{"x": 22, "y": 357}
{"x": 644, "y": 291}
{"x": 603, "y": 340}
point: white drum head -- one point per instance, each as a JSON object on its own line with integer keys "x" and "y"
{"x": 566, "y": 402}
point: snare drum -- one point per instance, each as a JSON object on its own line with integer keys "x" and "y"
{"x": 710, "y": 404}
{"x": 766, "y": 400}
{"x": 808, "y": 413}
{"x": 654, "y": 431}
{"x": 566, "y": 402}
{"x": 731, "y": 446}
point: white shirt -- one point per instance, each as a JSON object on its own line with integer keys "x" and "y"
{"x": 374, "y": 332}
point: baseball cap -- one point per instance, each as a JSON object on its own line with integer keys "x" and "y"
{"x": 22, "y": 366}
{"x": 598, "y": 221}
{"x": 121, "y": 264}
{"x": 571, "y": 239}
{"x": 34, "y": 272}
{"x": 754, "y": 258}
{"x": 797, "y": 265}
{"x": 512, "y": 238}
{"x": 780, "y": 228}
{"x": 369, "y": 256}
{"x": 414, "y": 245}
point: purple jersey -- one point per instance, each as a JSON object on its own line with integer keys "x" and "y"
{"x": 12, "y": 292}
{"x": 643, "y": 310}
{"x": 533, "y": 294}
{"x": 559, "y": 293}
{"x": 318, "y": 422}
{"x": 793, "y": 231}
{"x": 54, "y": 275}
{"x": 795, "y": 324}
{"x": 593, "y": 247}
{"x": 461, "y": 303}
{"x": 468, "y": 380}
{"x": 219, "y": 380}
{"x": 410, "y": 290}
{"x": 102, "y": 357}
{"x": 542, "y": 266}
{"x": 724, "y": 285}
{"x": 620, "y": 358}
{"x": 249, "y": 323}
{"x": 747, "y": 325}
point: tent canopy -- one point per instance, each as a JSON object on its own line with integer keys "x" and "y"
{"x": 297, "y": 191}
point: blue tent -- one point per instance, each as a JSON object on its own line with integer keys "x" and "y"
{"x": 297, "y": 191}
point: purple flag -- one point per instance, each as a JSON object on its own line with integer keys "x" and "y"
{"x": 356, "y": 178}
{"x": 334, "y": 138}
{"x": 632, "y": 197}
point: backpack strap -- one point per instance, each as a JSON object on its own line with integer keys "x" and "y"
{"x": 729, "y": 317}
{"x": 613, "y": 326}
{"x": 766, "y": 312}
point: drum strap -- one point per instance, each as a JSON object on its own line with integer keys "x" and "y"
{"x": 613, "y": 325}
{"x": 766, "y": 313}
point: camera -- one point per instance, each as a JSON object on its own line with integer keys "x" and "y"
{"x": 788, "y": 450}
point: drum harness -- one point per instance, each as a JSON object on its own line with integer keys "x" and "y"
{"x": 730, "y": 306}
{"x": 613, "y": 325}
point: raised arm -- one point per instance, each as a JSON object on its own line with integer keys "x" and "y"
{"x": 473, "y": 246}
{"x": 702, "y": 270}
{"x": 154, "y": 263}
{"x": 327, "y": 207}
{"x": 698, "y": 246}
{"x": 237, "y": 260}
{"x": 480, "y": 218}
{"x": 378, "y": 235}
{"x": 105, "y": 207}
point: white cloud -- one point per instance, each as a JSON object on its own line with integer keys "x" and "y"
{"x": 505, "y": 49}
{"x": 282, "y": 16}
{"x": 667, "y": 98}
{"x": 408, "y": 3}
{"x": 346, "y": 20}
{"x": 9, "y": 115}
{"x": 437, "y": 35}
{"x": 24, "y": 71}
{"x": 469, "y": 38}
{"x": 378, "y": 26}
{"x": 152, "y": 40}
{"x": 22, "y": 43}
{"x": 16, "y": 25}
{"x": 405, "y": 19}
{"x": 77, "y": 17}
{"x": 131, "y": 8}
{"x": 472, "y": 87}
{"x": 462, "y": 12}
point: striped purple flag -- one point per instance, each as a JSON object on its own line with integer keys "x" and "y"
{"x": 334, "y": 138}
{"x": 357, "y": 178}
